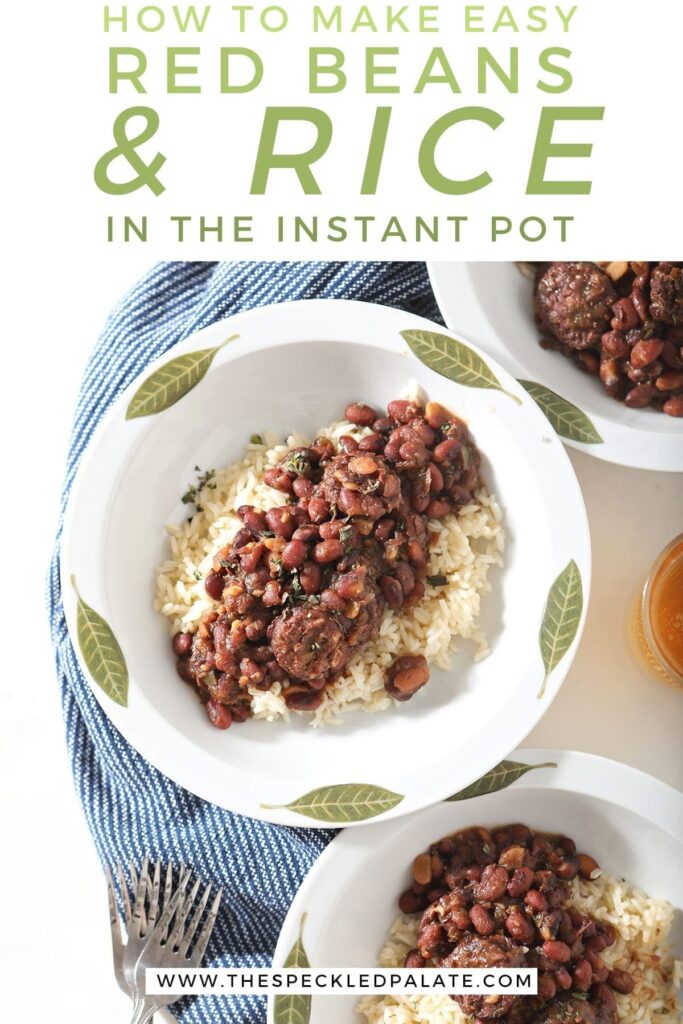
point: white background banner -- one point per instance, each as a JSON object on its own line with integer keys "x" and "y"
{"x": 623, "y": 57}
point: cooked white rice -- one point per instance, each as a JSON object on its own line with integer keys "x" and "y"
{"x": 464, "y": 549}
{"x": 642, "y": 925}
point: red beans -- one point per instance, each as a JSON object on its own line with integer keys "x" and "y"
{"x": 482, "y": 919}
{"x": 251, "y": 671}
{"x": 252, "y": 518}
{"x": 392, "y": 451}
{"x": 614, "y": 345}
{"x": 218, "y": 714}
{"x": 391, "y": 591}
{"x": 384, "y": 529}
{"x": 520, "y": 882}
{"x": 610, "y": 375}
{"x": 587, "y": 361}
{"x": 557, "y": 951}
{"x": 321, "y": 450}
{"x": 536, "y": 901}
{"x": 563, "y": 979}
{"x": 318, "y": 509}
{"x": 250, "y": 560}
{"x": 673, "y": 406}
{"x": 294, "y": 554}
{"x": 348, "y": 444}
{"x": 414, "y": 960}
{"x": 625, "y": 315}
{"x": 364, "y": 465}
{"x": 519, "y": 927}
{"x": 583, "y": 975}
{"x": 328, "y": 551}
{"x": 351, "y": 585}
{"x": 272, "y": 594}
{"x": 670, "y": 380}
{"x": 307, "y": 532}
{"x": 403, "y": 411}
{"x": 182, "y": 644}
{"x": 436, "y": 415}
{"x": 310, "y": 578}
{"x": 406, "y": 676}
{"x": 281, "y": 522}
{"x": 421, "y": 431}
{"x": 360, "y": 414}
{"x": 568, "y": 869}
{"x": 546, "y": 987}
{"x": 413, "y": 454}
{"x": 333, "y": 601}
{"x": 493, "y": 882}
{"x": 435, "y": 478}
{"x": 621, "y": 981}
{"x": 438, "y": 508}
{"x": 645, "y": 352}
{"x": 640, "y": 396}
{"x": 302, "y": 487}
{"x": 372, "y": 443}
{"x": 446, "y": 451}
{"x": 301, "y": 698}
{"x": 214, "y": 584}
{"x": 410, "y": 902}
{"x": 278, "y": 479}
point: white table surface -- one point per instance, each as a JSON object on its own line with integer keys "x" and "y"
{"x": 59, "y": 942}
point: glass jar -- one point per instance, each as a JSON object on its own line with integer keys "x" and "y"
{"x": 660, "y": 614}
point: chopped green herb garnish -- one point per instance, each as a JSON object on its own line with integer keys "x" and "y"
{"x": 256, "y": 439}
{"x": 192, "y": 493}
{"x": 346, "y": 533}
{"x": 197, "y": 575}
{"x": 437, "y": 581}
{"x": 298, "y": 463}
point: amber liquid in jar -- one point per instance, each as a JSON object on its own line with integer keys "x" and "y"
{"x": 661, "y": 616}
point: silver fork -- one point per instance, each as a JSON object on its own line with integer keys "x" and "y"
{"x": 153, "y": 941}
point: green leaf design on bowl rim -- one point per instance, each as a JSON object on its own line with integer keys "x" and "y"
{"x": 294, "y": 1009}
{"x": 343, "y": 803}
{"x": 561, "y": 618}
{"x": 500, "y": 777}
{"x": 172, "y": 381}
{"x": 453, "y": 359}
{"x": 566, "y": 419}
{"x": 101, "y": 651}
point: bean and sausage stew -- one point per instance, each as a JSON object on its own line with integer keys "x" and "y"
{"x": 623, "y": 323}
{"x": 501, "y": 898}
{"x": 303, "y": 586}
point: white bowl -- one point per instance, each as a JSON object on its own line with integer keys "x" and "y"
{"x": 296, "y": 366}
{"x": 491, "y": 304}
{"x": 631, "y": 823}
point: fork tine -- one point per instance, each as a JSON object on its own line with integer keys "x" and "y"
{"x": 176, "y": 935}
{"x": 205, "y": 934}
{"x": 194, "y": 922}
{"x": 124, "y": 894}
{"x": 139, "y": 920}
{"x": 169, "y": 910}
{"x": 113, "y": 912}
{"x": 153, "y": 911}
{"x": 115, "y": 923}
{"x": 168, "y": 892}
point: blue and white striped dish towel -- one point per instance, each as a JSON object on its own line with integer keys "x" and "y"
{"x": 131, "y": 808}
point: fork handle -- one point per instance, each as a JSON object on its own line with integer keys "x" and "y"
{"x": 143, "y": 1011}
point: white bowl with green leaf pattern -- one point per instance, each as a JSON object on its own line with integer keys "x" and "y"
{"x": 491, "y": 304}
{"x": 295, "y": 367}
{"x": 341, "y": 916}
